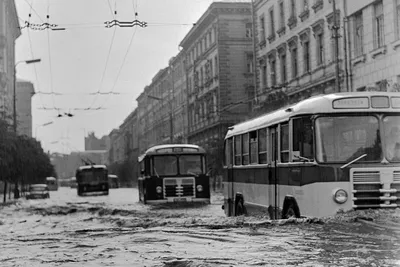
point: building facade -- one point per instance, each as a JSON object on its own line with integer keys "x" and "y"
{"x": 24, "y": 93}
{"x": 219, "y": 71}
{"x": 94, "y": 143}
{"x": 9, "y": 32}
{"x": 374, "y": 40}
{"x": 299, "y": 53}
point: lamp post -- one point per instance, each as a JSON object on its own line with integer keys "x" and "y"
{"x": 171, "y": 131}
{"x": 31, "y": 61}
{"x": 42, "y": 125}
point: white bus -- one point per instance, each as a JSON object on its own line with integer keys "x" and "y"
{"x": 324, "y": 154}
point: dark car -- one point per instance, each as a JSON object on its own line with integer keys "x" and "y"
{"x": 38, "y": 191}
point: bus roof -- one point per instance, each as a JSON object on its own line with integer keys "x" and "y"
{"x": 172, "y": 148}
{"x": 87, "y": 167}
{"x": 112, "y": 176}
{"x": 50, "y": 178}
{"x": 330, "y": 103}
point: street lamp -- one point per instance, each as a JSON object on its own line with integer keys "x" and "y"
{"x": 31, "y": 61}
{"x": 42, "y": 125}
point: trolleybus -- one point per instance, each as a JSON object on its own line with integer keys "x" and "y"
{"x": 174, "y": 173}
{"x": 113, "y": 181}
{"x": 324, "y": 154}
{"x": 92, "y": 178}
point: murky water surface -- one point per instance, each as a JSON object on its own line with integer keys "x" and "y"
{"x": 116, "y": 230}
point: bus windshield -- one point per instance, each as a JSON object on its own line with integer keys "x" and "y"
{"x": 344, "y": 138}
{"x": 92, "y": 176}
{"x": 190, "y": 164}
{"x": 391, "y": 126}
{"x": 168, "y": 165}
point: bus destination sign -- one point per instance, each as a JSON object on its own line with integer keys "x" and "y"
{"x": 351, "y": 102}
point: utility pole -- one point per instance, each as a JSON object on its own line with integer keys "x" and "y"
{"x": 336, "y": 36}
{"x": 253, "y": 18}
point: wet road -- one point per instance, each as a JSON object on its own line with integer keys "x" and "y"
{"x": 116, "y": 230}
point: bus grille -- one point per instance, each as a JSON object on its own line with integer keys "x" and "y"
{"x": 375, "y": 187}
{"x": 179, "y": 187}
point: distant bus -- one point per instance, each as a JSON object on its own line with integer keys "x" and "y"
{"x": 174, "y": 173}
{"x": 92, "y": 178}
{"x": 73, "y": 183}
{"x": 314, "y": 158}
{"x": 113, "y": 181}
{"x": 52, "y": 183}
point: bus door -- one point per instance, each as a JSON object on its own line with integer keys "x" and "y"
{"x": 229, "y": 188}
{"x": 273, "y": 192}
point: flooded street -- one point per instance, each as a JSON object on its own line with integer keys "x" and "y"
{"x": 116, "y": 230}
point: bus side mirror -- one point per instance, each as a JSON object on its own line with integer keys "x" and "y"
{"x": 141, "y": 171}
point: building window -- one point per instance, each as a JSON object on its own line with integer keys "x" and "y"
{"x": 282, "y": 57}
{"x": 249, "y": 63}
{"x": 262, "y": 28}
{"x": 292, "y": 8}
{"x": 397, "y": 12}
{"x": 272, "y": 63}
{"x": 271, "y": 22}
{"x": 281, "y": 15}
{"x": 358, "y": 34}
{"x": 378, "y": 25}
{"x": 253, "y": 148}
{"x": 284, "y": 143}
{"x": 320, "y": 48}
{"x": 238, "y": 150}
{"x": 216, "y": 65}
{"x": 306, "y": 56}
{"x": 264, "y": 75}
{"x": 293, "y": 55}
{"x": 249, "y": 30}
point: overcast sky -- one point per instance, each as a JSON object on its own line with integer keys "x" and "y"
{"x": 73, "y": 61}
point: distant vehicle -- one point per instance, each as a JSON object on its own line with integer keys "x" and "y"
{"x": 92, "y": 178}
{"x": 73, "y": 183}
{"x": 113, "y": 181}
{"x": 52, "y": 183}
{"x": 38, "y": 191}
{"x": 174, "y": 173}
{"x": 322, "y": 155}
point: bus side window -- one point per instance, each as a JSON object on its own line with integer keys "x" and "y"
{"x": 245, "y": 149}
{"x": 273, "y": 148}
{"x": 303, "y": 138}
{"x": 238, "y": 150}
{"x": 262, "y": 146}
{"x": 253, "y": 147}
{"x": 285, "y": 142}
{"x": 228, "y": 152}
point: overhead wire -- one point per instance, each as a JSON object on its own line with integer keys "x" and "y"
{"x": 32, "y": 54}
{"x": 49, "y": 49}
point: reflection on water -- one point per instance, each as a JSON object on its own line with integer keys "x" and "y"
{"x": 108, "y": 231}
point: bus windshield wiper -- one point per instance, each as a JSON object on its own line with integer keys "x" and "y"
{"x": 354, "y": 160}
{"x": 302, "y": 158}
{"x": 155, "y": 170}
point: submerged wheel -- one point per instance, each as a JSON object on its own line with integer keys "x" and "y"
{"x": 290, "y": 208}
{"x": 240, "y": 209}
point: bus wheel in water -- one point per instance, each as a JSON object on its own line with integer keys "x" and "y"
{"x": 290, "y": 208}
{"x": 240, "y": 209}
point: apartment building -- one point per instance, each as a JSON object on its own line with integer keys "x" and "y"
{"x": 297, "y": 51}
{"x": 9, "y": 32}
{"x": 219, "y": 69}
{"x": 374, "y": 40}
{"x": 24, "y": 94}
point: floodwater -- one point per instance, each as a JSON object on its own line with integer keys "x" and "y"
{"x": 116, "y": 230}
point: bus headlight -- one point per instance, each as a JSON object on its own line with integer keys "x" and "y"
{"x": 158, "y": 189}
{"x": 340, "y": 196}
{"x": 199, "y": 188}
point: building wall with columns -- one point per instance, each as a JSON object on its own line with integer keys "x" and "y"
{"x": 296, "y": 51}
{"x": 9, "y": 32}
